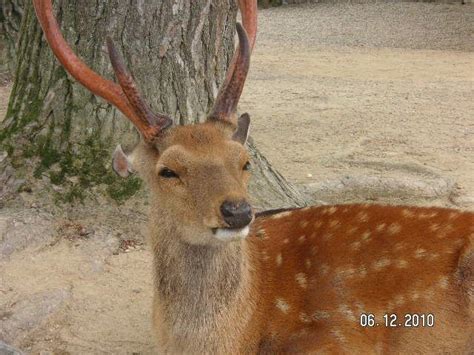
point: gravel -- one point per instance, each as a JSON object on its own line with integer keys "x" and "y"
{"x": 384, "y": 24}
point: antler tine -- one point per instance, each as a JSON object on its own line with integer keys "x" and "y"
{"x": 229, "y": 94}
{"x": 98, "y": 85}
{"x": 248, "y": 9}
{"x": 131, "y": 91}
{"x": 227, "y": 99}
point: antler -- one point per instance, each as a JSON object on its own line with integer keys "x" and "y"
{"x": 229, "y": 94}
{"x": 125, "y": 96}
{"x": 130, "y": 90}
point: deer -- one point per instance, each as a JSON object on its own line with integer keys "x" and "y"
{"x": 347, "y": 278}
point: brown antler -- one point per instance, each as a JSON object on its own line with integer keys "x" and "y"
{"x": 124, "y": 96}
{"x": 229, "y": 94}
{"x": 130, "y": 90}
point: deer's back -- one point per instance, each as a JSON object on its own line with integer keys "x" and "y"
{"x": 324, "y": 268}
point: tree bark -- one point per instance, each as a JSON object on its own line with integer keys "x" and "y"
{"x": 11, "y": 13}
{"x": 178, "y": 52}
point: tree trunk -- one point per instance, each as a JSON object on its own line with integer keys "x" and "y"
{"x": 178, "y": 52}
{"x": 11, "y": 12}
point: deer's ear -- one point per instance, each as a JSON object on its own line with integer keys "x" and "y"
{"x": 121, "y": 162}
{"x": 243, "y": 126}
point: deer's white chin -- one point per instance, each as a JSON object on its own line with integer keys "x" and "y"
{"x": 227, "y": 235}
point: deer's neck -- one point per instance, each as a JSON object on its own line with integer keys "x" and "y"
{"x": 199, "y": 288}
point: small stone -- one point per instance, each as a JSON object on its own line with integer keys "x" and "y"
{"x": 73, "y": 179}
{"x": 57, "y": 188}
{"x": 3, "y": 156}
{"x": 84, "y": 232}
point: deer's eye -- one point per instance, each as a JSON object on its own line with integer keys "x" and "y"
{"x": 246, "y": 166}
{"x": 167, "y": 173}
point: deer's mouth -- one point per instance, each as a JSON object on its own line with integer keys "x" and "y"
{"x": 231, "y": 234}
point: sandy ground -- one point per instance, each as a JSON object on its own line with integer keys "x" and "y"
{"x": 341, "y": 90}
{"x": 335, "y": 91}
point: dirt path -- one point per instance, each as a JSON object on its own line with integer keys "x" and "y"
{"x": 359, "y": 92}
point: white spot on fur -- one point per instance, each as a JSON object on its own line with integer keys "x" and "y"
{"x": 443, "y": 282}
{"x": 401, "y": 264}
{"x": 362, "y": 216}
{"x": 282, "y": 214}
{"x": 433, "y": 256}
{"x": 332, "y": 210}
{"x": 346, "y": 311}
{"x": 347, "y": 272}
{"x": 302, "y": 239}
{"x": 444, "y": 231}
{"x": 324, "y": 269}
{"x": 399, "y": 300}
{"x": 394, "y": 228}
{"x": 400, "y": 246}
{"x": 307, "y": 263}
{"x": 334, "y": 223}
{"x": 338, "y": 335}
{"x": 415, "y": 295}
{"x": 408, "y": 213}
{"x": 282, "y": 305}
{"x": 380, "y": 264}
{"x": 420, "y": 253}
{"x": 305, "y": 318}
{"x": 366, "y": 236}
{"x": 318, "y": 315}
{"x": 380, "y": 227}
{"x": 286, "y": 241}
{"x": 301, "y": 280}
{"x": 453, "y": 215}
{"x": 426, "y": 215}
{"x": 355, "y": 245}
{"x": 279, "y": 259}
{"x": 362, "y": 271}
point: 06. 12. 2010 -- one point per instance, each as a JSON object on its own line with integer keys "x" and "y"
{"x": 392, "y": 320}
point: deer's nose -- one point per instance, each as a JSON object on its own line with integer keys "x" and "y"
{"x": 237, "y": 214}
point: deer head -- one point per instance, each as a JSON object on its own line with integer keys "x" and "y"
{"x": 197, "y": 174}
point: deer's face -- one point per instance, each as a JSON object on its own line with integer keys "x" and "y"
{"x": 198, "y": 176}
